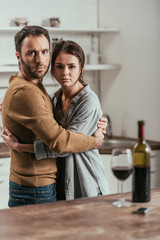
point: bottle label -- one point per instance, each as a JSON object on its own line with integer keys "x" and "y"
{"x": 141, "y": 159}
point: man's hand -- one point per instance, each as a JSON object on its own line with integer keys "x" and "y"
{"x": 10, "y": 140}
{"x": 98, "y": 138}
{"x": 102, "y": 124}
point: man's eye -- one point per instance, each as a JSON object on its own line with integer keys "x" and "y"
{"x": 45, "y": 51}
{"x": 32, "y": 53}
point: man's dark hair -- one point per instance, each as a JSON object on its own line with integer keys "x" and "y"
{"x": 29, "y": 30}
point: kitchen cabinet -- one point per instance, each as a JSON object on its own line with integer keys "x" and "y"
{"x": 4, "y": 182}
{"x": 114, "y": 186}
{"x": 113, "y": 182}
{"x": 155, "y": 168}
{"x": 89, "y": 39}
{"x": 127, "y": 186}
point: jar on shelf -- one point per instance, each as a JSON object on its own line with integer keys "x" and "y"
{"x": 54, "y": 22}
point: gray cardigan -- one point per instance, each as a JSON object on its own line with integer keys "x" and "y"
{"x": 84, "y": 173}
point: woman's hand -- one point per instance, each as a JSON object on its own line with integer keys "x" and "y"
{"x": 98, "y": 137}
{"x": 10, "y": 140}
{"x": 102, "y": 124}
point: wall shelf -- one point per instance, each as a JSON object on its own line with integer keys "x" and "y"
{"x": 10, "y": 29}
{"x": 93, "y": 42}
{"x": 87, "y": 67}
{"x": 100, "y": 67}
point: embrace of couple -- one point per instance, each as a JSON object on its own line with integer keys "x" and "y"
{"x": 54, "y": 142}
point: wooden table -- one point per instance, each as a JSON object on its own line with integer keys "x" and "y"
{"x": 82, "y": 219}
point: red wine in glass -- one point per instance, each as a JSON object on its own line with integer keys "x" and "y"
{"x": 122, "y": 173}
{"x": 122, "y": 166}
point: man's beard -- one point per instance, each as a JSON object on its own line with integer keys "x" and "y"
{"x": 29, "y": 72}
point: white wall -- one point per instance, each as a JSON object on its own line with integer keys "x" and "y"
{"x": 133, "y": 93}
{"x": 127, "y": 95}
{"x": 72, "y": 13}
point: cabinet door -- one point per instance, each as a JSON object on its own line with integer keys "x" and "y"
{"x": 155, "y": 169}
{"x": 4, "y": 190}
{"x": 113, "y": 182}
{"x": 127, "y": 185}
{"x": 4, "y": 166}
{"x": 4, "y": 182}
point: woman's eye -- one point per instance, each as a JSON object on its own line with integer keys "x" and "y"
{"x": 59, "y": 66}
{"x": 72, "y": 66}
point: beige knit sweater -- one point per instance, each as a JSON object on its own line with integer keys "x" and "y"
{"x": 27, "y": 113}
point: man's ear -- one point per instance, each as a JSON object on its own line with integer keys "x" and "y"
{"x": 17, "y": 56}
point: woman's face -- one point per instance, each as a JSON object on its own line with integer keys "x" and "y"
{"x": 67, "y": 70}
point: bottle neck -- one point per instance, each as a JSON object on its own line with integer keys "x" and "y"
{"x": 141, "y": 132}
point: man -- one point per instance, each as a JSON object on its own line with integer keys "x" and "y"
{"x": 27, "y": 113}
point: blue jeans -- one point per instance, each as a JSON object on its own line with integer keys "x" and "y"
{"x": 20, "y": 195}
{"x": 99, "y": 194}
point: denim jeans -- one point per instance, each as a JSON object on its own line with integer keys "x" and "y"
{"x": 99, "y": 194}
{"x": 21, "y": 195}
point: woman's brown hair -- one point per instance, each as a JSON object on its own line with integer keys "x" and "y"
{"x": 69, "y": 47}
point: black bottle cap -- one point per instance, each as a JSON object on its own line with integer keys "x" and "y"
{"x": 141, "y": 122}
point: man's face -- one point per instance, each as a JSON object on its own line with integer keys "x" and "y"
{"x": 34, "y": 58}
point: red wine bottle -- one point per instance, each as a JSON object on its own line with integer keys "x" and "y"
{"x": 141, "y": 169}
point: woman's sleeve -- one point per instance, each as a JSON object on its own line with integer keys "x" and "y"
{"x": 42, "y": 151}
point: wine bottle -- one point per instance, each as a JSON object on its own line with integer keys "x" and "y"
{"x": 141, "y": 169}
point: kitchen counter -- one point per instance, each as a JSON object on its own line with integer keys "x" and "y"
{"x": 82, "y": 219}
{"x": 104, "y": 149}
{"x": 107, "y": 149}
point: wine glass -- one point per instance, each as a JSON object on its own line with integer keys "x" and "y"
{"x": 122, "y": 166}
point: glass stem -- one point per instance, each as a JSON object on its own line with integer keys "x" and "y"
{"x": 121, "y": 182}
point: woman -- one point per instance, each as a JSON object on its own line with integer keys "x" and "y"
{"x": 76, "y": 108}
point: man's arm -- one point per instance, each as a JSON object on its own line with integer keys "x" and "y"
{"x": 28, "y": 108}
{"x": 41, "y": 150}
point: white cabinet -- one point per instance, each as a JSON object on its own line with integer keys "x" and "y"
{"x": 114, "y": 185}
{"x": 4, "y": 182}
{"x": 127, "y": 185}
{"x": 155, "y": 169}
